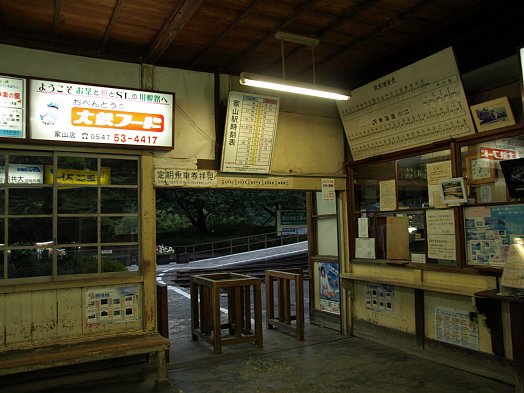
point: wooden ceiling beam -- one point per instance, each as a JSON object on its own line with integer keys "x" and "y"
{"x": 271, "y": 34}
{"x": 230, "y": 27}
{"x": 57, "y": 10}
{"x": 110, "y": 25}
{"x": 176, "y": 22}
{"x": 335, "y": 25}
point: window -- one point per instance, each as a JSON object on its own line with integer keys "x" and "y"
{"x": 391, "y": 199}
{"x": 64, "y": 213}
{"x": 493, "y": 218}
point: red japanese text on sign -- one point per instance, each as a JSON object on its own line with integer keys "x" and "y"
{"x": 498, "y": 154}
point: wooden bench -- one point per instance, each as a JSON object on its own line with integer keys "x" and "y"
{"x": 38, "y": 358}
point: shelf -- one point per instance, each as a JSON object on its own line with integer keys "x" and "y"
{"x": 453, "y": 290}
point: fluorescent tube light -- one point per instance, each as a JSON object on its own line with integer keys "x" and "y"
{"x": 293, "y": 87}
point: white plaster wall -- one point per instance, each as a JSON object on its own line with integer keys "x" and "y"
{"x": 43, "y": 64}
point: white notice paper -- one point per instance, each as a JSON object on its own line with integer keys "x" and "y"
{"x": 365, "y": 248}
{"x": 388, "y": 195}
{"x": 363, "y": 227}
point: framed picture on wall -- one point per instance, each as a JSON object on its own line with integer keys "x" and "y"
{"x": 453, "y": 190}
{"x": 492, "y": 114}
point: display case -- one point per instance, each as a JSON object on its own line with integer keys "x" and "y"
{"x": 450, "y": 208}
{"x": 493, "y": 214}
{"x": 391, "y": 199}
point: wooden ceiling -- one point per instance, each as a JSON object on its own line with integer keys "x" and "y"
{"x": 360, "y": 40}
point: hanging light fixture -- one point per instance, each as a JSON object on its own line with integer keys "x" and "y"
{"x": 311, "y": 89}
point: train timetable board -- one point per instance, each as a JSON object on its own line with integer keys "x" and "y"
{"x": 416, "y": 105}
{"x": 249, "y": 135}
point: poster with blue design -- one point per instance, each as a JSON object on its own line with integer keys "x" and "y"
{"x": 329, "y": 287}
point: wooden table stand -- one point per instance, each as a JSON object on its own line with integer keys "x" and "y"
{"x": 284, "y": 319}
{"x": 205, "y": 309}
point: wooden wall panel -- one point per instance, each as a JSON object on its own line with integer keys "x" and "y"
{"x": 18, "y": 325}
{"x": 70, "y": 316}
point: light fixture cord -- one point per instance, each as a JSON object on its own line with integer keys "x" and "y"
{"x": 313, "y": 61}
{"x": 283, "y": 62}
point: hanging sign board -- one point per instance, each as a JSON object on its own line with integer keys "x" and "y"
{"x": 416, "y": 105}
{"x": 68, "y": 112}
{"x": 12, "y": 107}
{"x": 249, "y": 135}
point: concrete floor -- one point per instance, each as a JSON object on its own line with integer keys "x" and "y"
{"x": 325, "y": 362}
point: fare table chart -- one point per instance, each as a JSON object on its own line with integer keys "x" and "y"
{"x": 250, "y": 133}
{"x": 416, "y": 105}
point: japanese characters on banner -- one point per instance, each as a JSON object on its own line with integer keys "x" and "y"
{"x": 12, "y": 107}
{"x": 185, "y": 177}
{"x": 68, "y": 112}
{"x": 416, "y": 105}
{"x": 249, "y": 135}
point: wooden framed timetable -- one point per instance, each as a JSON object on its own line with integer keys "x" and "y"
{"x": 249, "y": 136}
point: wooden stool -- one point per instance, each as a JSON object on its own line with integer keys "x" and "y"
{"x": 205, "y": 315}
{"x": 284, "y": 318}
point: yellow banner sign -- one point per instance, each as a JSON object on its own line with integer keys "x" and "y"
{"x": 77, "y": 176}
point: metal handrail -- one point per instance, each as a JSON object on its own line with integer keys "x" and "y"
{"x": 192, "y": 252}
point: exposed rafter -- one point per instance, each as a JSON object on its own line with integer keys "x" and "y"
{"x": 171, "y": 29}
{"x": 271, "y": 34}
{"x": 56, "y": 21}
{"x": 110, "y": 25}
{"x": 231, "y": 27}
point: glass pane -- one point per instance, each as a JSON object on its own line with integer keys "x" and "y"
{"x": 119, "y": 229}
{"x": 367, "y": 180}
{"x": 490, "y": 230}
{"x": 29, "y": 263}
{"x": 482, "y": 169}
{"x": 2, "y": 201}
{"x": 412, "y": 179}
{"x": 77, "y": 260}
{"x": 77, "y": 170}
{"x": 327, "y": 238}
{"x": 28, "y": 231}
{"x": 77, "y": 230}
{"x": 1, "y": 264}
{"x": 2, "y": 233}
{"x": 123, "y": 172}
{"x": 118, "y": 200}
{"x": 78, "y": 200}
{"x": 27, "y": 169}
{"x": 31, "y": 200}
{"x": 120, "y": 258}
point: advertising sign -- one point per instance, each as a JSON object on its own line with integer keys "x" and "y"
{"x": 23, "y": 174}
{"x": 329, "y": 277}
{"x": 68, "y": 112}
{"x": 12, "y": 107}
